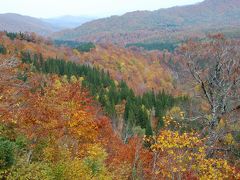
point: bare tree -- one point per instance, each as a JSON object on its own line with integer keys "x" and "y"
{"x": 215, "y": 66}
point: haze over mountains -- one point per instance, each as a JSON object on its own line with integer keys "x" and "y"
{"x": 68, "y": 21}
{"x": 140, "y": 26}
{"x": 15, "y": 23}
{"x": 207, "y": 16}
{"x": 146, "y": 95}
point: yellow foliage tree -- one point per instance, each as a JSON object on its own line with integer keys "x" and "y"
{"x": 178, "y": 155}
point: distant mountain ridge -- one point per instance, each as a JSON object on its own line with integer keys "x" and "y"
{"x": 15, "y": 23}
{"x": 68, "y": 21}
{"x": 208, "y": 15}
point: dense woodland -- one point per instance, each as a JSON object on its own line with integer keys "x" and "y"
{"x": 137, "y": 110}
{"x": 64, "y": 117}
{"x": 162, "y": 25}
{"x": 170, "y": 46}
{"x": 80, "y": 46}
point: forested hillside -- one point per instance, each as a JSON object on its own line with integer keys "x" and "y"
{"x": 18, "y": 23}
{"x": 141, "y": 71}
{"x": 75, "y": 113}
{"x": 176, "y": 23}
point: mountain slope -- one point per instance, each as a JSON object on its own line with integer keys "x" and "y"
{"x": 147, "y": 25}
{"x": 16, "y": 23}
{"x": 142, "y": 71}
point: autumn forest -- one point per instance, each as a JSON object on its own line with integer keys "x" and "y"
{"x": 108, "y": 106}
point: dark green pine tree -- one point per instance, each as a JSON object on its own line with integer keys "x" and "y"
{"x": 100, "y": 84}
{"x": 113, "y": 94}
{"x": 6, "y": 153}
{"x": 110, "y": 109}
{"x": 148, "y": 128}
{"x": 26, "y": 57}
{"x": 124, "y": 90}
{"x": 3, "y": 50}
{"x": 131, "y": 119}
{"x": 11, "y": 35}
{"x": 36, "y": 62}
{"x": 127, "y": 110}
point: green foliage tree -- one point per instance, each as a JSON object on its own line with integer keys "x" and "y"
{"x": 6, "y": 153}
{"x": 3, "y": 50}
{"x": 85, "y": 47}
{"x": 103, "y": 88}
{"x": 170, "y": 46}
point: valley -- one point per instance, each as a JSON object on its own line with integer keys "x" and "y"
{"x": 143, "y": 95}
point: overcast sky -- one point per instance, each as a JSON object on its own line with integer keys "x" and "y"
{"x": 96, "y": 8}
